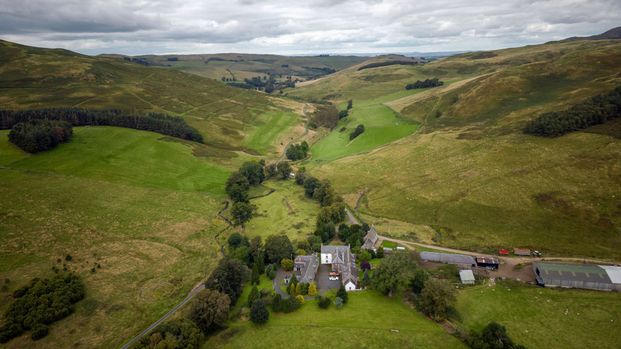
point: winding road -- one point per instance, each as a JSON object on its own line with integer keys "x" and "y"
{"x": 146, "y": 331}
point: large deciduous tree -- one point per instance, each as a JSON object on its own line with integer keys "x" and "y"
{"x": 278, "y": 247}
{"x": 437, "y": 299}
{"x": 394, "y": 273}
{"x": 210, "y": 310}
{"x": 228, "y": 277}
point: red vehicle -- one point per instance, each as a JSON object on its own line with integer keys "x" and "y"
{"x": 503, "y": 252}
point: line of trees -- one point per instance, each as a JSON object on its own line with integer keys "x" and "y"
{"x": 40, "y": 304}
{"x": 594, "y": 111}
{"x": 297, "y": 151}
{"x": 39, "y": 135}
{"x": 161, "y": 123}
{"x": 424, "y": 84}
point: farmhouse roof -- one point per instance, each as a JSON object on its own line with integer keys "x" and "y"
{"x": 306, "y": 268}
{"x": 343, "y": 261}
{"x": 370, "y": 239}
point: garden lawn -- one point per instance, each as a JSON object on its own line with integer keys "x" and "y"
{"x": 545, "y": 318}
{"x": 368, "y": 320}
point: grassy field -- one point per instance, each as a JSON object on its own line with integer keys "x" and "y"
{"x": 142, "y": 207}
{"x": 285, "y": 211}
{"x": 268, "y": 127}
{"x": 367, "y": 321}
{"x": 545, "y": 318}
{"x": 469, "y": 172}
{"x": 382, "y": 126}
{"x": 42, "y": 78}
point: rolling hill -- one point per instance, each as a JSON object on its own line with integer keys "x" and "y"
{"x": 468, "y": 177}
{"x": 228, "y": 118}
{"x": 239, "y": 66}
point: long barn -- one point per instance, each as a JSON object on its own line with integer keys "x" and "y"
{"x": 588, "y": 276}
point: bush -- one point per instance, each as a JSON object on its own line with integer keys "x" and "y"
{"x": 270, "y": 271}
{"x": 40, "y": 135}
{"x": 324, "y": 302}
{"x": 357, "y": 132}
{"x": 493, "y": 336}
{"x": 343, "y": 114}
{"x": 286, "y": 264}
{"x": 597, "y": 110}
{"x": 43, "y": 302}
{"x": 338, "y": 302}
{"x": 258, "y": 312}
{"x": 161, "y": 123}
{"x": 342, "y": 294}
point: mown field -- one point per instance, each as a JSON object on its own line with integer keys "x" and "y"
{"x": 140, "y": 205}
{"x": 369, "y": 320}
{"x": 545, "y": 318}
{"x": 285, "y": 211}
{"x": 468, "y": 177}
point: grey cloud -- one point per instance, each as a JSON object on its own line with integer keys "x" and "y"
{"x": 314, "y": 26}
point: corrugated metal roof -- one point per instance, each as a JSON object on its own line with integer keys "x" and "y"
{"x": 614, "y": 273}
{"x": 550, "y": 271}
{"x": 447, "y": 258}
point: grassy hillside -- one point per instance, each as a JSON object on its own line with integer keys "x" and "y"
{"x": 141, "y": 205}
{"x": 40, "y": 78}
{"x": 545, "y": 318}
{"x": 239, "y": 66}
{"x": 469, "y": 174}
{"x": 369, "y": 320}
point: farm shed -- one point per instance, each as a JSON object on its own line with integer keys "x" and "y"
{"x": 588, "y": 276}
{"x": 467, "y": 277}
{"x": 449, "y": 258}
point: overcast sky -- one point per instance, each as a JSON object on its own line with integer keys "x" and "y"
{"x": 299, "y": 26}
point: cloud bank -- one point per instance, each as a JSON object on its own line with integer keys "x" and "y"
{"x": 299, "y": 27}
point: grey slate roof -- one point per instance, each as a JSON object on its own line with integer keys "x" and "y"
{"x": 448, "y": 258}
{"x": 343, "y": 262}
{"x": 305, "y": 268}
{"x": 370, "y": 239}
